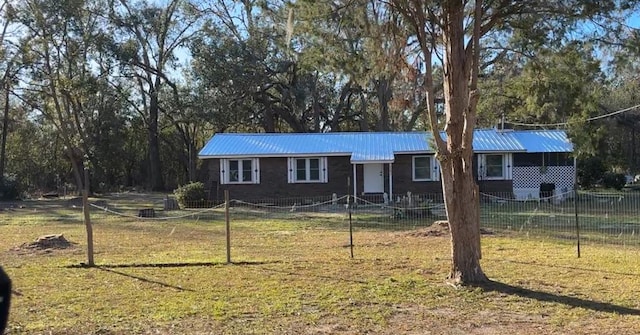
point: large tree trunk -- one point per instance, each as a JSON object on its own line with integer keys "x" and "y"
{"x": 155, "y": 171}
{"x": 364, "y": 122}
{"x": 384, "y": 94}
{"x": 5, "y": 129}
{"x": 461, "y": 201}
{"x": 268, "y": 121}
{"x": 459, "y": 187}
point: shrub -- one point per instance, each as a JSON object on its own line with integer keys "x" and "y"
{"x": 9, "y": 188}
{"x": 614, "y": 180}
{"x": 590, "y": 171}
{"x": 190, "y": 195}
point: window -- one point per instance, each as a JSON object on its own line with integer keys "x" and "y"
{"x": 494, "y": 166}
{"x": 239, "y": 171}
{"x": 308, "y": 170}
{"x": 422, "y": 168}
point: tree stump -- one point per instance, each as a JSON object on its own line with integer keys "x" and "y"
{"x": 170, "y": 204}
{"x": 146, "y": 213}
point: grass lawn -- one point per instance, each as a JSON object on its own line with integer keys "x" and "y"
{"x": 296, "y": 277}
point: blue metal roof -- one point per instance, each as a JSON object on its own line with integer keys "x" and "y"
{"x": 370, "y": 146}
{"x": 491, "y": 140}
{"x": 544, "y": 140}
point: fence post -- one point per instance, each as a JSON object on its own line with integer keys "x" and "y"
{"x": 350, "y": 221}
{"x": 87, "y": 218}
{"x": 227, "y": 225}
{"x": 575, "y": 208}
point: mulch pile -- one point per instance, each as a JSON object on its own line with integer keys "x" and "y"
{"x": 48, "y": 242}
{"x": 440, "y": 228}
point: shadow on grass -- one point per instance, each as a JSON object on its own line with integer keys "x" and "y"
{"x": 493, "y": 286}
{"x": 110, "y": 268}
{"x": 569, "y": 268}
{"x": 145, "y": 280}
{"x": 169, "y": 265}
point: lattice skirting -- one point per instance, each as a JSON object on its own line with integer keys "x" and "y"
{"x": 527, "y": 180}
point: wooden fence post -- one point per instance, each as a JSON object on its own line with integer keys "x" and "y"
{"x": 227, "y": 225}
{"x": 350, "y": 219}
{"x": 87, "y": 218}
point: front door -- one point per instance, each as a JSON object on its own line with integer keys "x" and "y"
{"x": 373, "y": 178}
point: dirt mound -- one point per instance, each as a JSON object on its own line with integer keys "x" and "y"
{"x": 440, "y": 228}
{"x": 48, "y": 242}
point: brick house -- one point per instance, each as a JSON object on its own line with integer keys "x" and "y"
{"x": 284, "y": 165}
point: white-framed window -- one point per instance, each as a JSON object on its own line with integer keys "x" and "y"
{"x": 307, "y": 170}
{"x": 495, "y": 166}
{"x": 240, "y": 171}
{"x": 424, "y": 168}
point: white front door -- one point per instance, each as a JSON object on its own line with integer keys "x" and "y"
{"x": 373, "y": 178}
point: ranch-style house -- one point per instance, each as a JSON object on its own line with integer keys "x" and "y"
{"x": 520, "y": 164}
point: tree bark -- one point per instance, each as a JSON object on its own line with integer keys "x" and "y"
{"x": 364, "y": 122}
{"x": 5, "y": 129}
{"x": 459, "y": 186}
{"x": 384, "y": 94}
{"x": 461, "y": 201}
{"x": 155, "y": 171}
{"x": 86, "y": 210}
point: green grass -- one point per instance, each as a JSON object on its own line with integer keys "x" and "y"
{"x": 296, "y": 277}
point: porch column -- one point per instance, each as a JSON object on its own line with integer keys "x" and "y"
{"x": 355, "y": 184}
{"x": 391, "y": 182}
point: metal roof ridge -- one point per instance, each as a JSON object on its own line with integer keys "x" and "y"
{"x": 354, "y": 133}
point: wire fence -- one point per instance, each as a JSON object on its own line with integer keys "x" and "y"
{"x": 607, "y": 218}
{"x": 286, "y": 228}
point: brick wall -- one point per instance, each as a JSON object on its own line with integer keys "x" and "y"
{"x": 496, "y": 186}
{"x": 403, "y": 178}
{"x": 273, "y": 181}
{"x": 274, "y": 184}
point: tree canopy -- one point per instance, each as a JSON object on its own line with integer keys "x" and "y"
{"x": 150, "y": 81}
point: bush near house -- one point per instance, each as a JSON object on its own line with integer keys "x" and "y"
{"x": 614, "y": 180}
{"x": 190, "y": 195}
{"x": 591, "y": 170}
